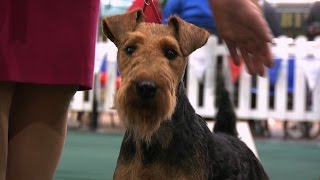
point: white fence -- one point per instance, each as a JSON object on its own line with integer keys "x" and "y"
{"x": 302, "y": 79}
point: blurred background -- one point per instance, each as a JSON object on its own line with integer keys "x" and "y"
{"x": 281, "y": 111}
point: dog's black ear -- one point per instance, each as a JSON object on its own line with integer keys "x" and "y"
{"x": 116, "y": 27}
{"x": 190, "y": 37}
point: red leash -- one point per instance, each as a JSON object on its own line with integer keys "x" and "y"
{"x": 154, "y": 9}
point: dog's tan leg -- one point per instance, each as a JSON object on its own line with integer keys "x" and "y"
{"x": 37, "y": 130}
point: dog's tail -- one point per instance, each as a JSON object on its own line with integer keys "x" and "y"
{"x": 226, "y": 117}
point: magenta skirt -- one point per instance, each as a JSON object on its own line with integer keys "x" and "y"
{"x": 48, "y": 42}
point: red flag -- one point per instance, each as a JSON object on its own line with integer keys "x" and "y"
{"x": 234, "y": 70}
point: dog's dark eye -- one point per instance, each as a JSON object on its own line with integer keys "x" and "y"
{"x": 170, "y": 53}
{"x": 130, "y": 49}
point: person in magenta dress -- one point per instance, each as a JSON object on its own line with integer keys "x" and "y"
{"x": 46, "y": 55}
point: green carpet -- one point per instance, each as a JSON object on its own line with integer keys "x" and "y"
{"x": 290, "y": 160}
{"x": 90, "y": 156}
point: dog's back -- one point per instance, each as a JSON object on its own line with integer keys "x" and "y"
{"x": 223, "y": 155}
{"x": 231, "y": 158}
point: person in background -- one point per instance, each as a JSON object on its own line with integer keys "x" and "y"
{"x": 271, "y": 17}
{"x": 312, "y": 23}
{"x": 197, "y": 12}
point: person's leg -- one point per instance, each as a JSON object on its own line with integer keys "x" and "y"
{"x": 6, "y": 93}
{"x": 37, "y": 130}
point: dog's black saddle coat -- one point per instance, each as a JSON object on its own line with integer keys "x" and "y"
{"x": 224, "y": 157}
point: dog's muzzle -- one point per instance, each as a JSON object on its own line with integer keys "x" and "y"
{"x": 146, "y": 89}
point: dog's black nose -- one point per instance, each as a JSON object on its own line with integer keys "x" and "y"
{"x": 146, "y": 89}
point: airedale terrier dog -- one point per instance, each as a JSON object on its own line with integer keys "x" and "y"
{"x": 165, "y": 139}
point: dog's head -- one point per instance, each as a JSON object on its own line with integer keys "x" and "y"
{"x": 152, "y": 62}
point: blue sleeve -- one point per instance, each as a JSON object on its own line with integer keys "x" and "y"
{"x": 172, "y": 7}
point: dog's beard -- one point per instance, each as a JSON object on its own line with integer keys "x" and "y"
{"x": 143, "y": 118}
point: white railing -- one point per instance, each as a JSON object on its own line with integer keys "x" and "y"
{"x": 305, "y": 56}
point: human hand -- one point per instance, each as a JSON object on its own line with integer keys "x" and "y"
{"x": 242, "y": 26}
